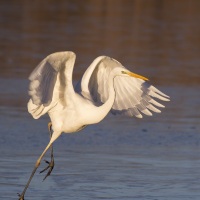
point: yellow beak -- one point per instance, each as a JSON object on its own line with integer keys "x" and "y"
{"x": 135, "y": 75}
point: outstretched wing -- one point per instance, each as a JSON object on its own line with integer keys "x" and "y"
{"x": 133, "y": 96}
{"x": 49, "y": 82}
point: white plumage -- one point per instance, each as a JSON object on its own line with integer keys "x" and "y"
{"x": 51, "y": 82}
{"x": 106, "y": 86}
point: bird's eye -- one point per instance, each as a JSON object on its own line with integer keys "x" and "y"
{"x": 123, "y": 72}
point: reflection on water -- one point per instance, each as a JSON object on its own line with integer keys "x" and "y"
{"x": 153, "y": 158}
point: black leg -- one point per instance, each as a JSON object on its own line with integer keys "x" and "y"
{"x": 54, "y": 136}
{"x": 51, "y": 163}
{"x": 21, "y": 196}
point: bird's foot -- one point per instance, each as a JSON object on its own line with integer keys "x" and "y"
{"x": 21, "y": 197}
{"x": 50, "y": 167}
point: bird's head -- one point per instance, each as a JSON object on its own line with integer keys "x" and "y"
{"x": 126, "y": 72}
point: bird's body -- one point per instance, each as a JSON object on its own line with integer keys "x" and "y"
{"x": 105, "y": 87}
{"x": 72, "y": 118}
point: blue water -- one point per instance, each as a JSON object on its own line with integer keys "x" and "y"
{"x": 154, "y": 158}
{"x": 120, "y": 158}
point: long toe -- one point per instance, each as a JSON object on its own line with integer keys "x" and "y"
{"x": 50, "y": 167}
{"x": 49, "y": 172}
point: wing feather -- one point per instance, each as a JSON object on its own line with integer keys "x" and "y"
{"x": 134, "y": 96}
{"x": 49, "y": 82}
{"x": 42, "y": 83}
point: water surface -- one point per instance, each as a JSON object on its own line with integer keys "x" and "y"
{"x": 120, "y": 158}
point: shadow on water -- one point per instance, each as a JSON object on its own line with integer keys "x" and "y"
{"x": 120, "y": 158}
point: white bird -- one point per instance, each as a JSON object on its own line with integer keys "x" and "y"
{"x": 106, "y": 86}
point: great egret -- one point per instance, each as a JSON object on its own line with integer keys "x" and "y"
{"x": 106, "y": 86}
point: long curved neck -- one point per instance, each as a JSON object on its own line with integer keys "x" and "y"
{"x": 86, "y": 76}
{"x": 104, "y": 109}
